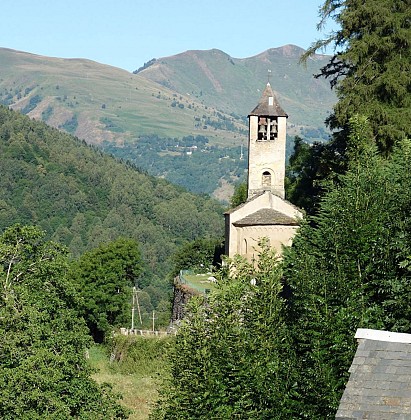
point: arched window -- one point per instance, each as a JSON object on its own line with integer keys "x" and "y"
{"x": 245, "y": 247}
{"x": 262, "y": 128}
{"x": 266, "y": 180}
{"x": 273, "y": 129}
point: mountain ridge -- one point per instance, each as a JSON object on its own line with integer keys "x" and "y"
{"x": 198, "y": 94}
{"x": 213, "y": 69}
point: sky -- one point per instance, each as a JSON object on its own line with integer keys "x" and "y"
{"x": 128, "y": 33}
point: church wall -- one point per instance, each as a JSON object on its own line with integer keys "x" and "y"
{"x": 249, "y": 237}
{"x": 266, "y": 200}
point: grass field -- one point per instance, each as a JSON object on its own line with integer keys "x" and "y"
{"x": 136, "y": 379}
{"x": 199, "y": 282}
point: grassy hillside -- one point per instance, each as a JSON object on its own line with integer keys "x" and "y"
{"x": 172, "y": 97}
{"x": 234, "y": 85}
{"x": 82, "y": 197}
{"x": 97, "y": 102}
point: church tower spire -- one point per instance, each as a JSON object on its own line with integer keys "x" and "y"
{"x": 266, "y": 146}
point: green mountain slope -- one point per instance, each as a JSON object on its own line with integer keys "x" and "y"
{"x": 83, "y": 197}
{"x": 150, "y": 117}
{"x": 234, "y": 85}
{"x": 97, "y": 102}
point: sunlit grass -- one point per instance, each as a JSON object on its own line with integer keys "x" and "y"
{"x": 139, "y": 388}
{"x": 200, "y": 282}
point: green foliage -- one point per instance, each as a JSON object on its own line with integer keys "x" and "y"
{"x": 136, "y": 376}
{"x": 371, "y": 68}
{"x": 47, "y": 113}
{"x": 104, "y": 277}
{"x": 344, "y": 269}
{"x": 232, "y": 356}
{"x": 140, "y": 355}
{"x": 198, "y": 255}
{"x": 33, "y": 101}
{"x": 371, "y": 73}
{"x": 239, "y": 195}
{"x": 303, "y": 175}
{"x": 70, "y": 125}
{"x": 146, "y": 65}
{"x": 110, "y": 124}
{"x": 43, "y": 370}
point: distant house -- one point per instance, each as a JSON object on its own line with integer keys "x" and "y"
{"x": 265, "y": 213}
{"x": 379, "y": 386}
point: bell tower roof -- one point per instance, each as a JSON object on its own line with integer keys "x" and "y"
{"x": 268, "y": 105}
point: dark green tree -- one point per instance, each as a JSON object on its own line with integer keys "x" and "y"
{"x": 306, "y": 171}
{"x": 371, "y": 67}
{"x": 347, "y": 269}
{"x": 43, "y": 369}
{"x": 198, "y": 255}
{"x": 371, "y": 73}
{"x": 239, "y": 195}
{"x": 232, "y": 357}
{"x": 104, "y": 277}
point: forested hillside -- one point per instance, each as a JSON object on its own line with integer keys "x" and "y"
{"x": 82, "y": 197}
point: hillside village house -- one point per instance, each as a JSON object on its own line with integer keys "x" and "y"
{"x": 265, "y": 213}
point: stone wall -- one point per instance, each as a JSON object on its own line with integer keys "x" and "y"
{"x": 182, "y": 294}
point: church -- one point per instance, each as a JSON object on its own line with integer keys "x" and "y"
{"x": 265, "y": 213}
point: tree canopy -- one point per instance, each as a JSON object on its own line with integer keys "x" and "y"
{"x": 371, "y": 73}
{"x": 371, "y": 67}
{"x": 223, "y": 364}
{"x": 82, "y": 197}
{"x": 104, "y": 277}
{"x": 43, "y": 369}
{"x": 197, "y": 255}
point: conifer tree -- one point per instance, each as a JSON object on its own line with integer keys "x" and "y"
{"x": 347, "y": 269}
{"x": 371, "y": 66}
{"x": 371, "y": 73}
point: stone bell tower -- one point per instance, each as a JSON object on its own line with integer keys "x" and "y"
{"x": 266, "y": 146}
{"x": 265, "y": 214}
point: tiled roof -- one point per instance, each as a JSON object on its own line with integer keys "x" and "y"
{"x": 379, "y": 386}
{"x": 267, "y": 107}
{"x": 266, "y": 216}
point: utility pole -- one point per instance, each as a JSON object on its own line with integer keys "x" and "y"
{"x": 153, "y": 320}
{"x": 133, "y": 309}
{"x": 135, "y": 301}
